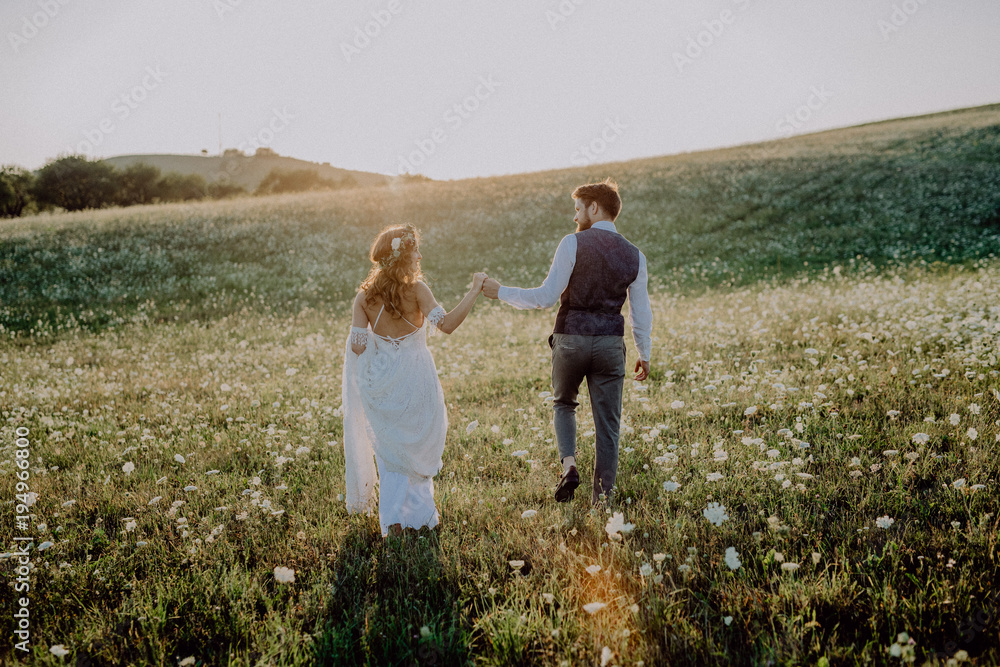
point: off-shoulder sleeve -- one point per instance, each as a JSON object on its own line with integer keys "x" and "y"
{"x": 359, "y": 336}
{"x": 436, "y": 316}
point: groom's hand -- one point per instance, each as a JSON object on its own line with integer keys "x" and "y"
{"x": 641, "y": 370}
{"x": 491, "y": 288}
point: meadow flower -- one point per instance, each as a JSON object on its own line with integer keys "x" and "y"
{"x": 616, "y": 525}
{"x": 58, "y": 650}
{"x": 472, "y": 426}
{"x": 520, "y": 452}
{"x": 128, "y": 468}
{"x": 727, "y": 620}
{"x": 517, "y": 564}
{"x": 594, "y": 607}
{"x": 646, "y": 569}
{"x": 606, "y": 656}
{"x": 752, "y": 410}
{"x": 592, "y": 570}
{"x": 921, "y": 438}
{"x": 425, "y": 631}
{"x": 958, "y": 483}
{"x": 715, "y": 513}
{"x": 789, "y": 567}
{"x": 284, "y": 575}
{"x": 816, "y": 557}
{"x": 972, "y": 433}
{"x": 548, "y": 597}
{"x": 659, "y": 557}
{"x": 527, "y": 514}
{"x": 714, "y": 476}
{"x": 179, "y": 458}
{"x": 954, "y": 419}
{"x": 884, "y": 522}
{"x": 671, "y": 486}
{"x": 733, "y": 558}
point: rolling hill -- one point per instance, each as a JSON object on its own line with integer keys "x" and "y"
{"x": 242, "y": 170}
{"x": 919, "y": 190}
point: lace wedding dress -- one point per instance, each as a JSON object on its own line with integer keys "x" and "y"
{"x": 395, "y": 419}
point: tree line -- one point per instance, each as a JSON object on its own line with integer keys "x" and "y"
{"x": 74, "y": 183}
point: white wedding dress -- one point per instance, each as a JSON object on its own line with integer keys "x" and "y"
{"x": 395, "y": 419}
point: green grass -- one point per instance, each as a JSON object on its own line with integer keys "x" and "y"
{"x": 880, "y": 342}
{"x": 813, "y": 382}
{"x": 921, "y": 189}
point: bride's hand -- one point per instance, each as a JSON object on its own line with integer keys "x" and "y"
{"x": 477, "y": 281}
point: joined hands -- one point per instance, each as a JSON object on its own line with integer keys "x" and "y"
{"x": 491, "y": 288}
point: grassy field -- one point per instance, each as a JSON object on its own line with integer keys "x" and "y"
{"x": 921, "y": 189}
{"x": 178, "y": 371}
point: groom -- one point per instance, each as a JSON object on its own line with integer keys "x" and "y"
{"x": 592, "y": 272}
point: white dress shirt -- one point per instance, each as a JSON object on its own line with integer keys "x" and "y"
{"x": 640, "y": 314}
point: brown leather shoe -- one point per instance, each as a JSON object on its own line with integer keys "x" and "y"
{"x": 567, "y": 485}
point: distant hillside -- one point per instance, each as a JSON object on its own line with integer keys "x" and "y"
{"x": 245, "y": 171}
{"x": 913, "y": 190}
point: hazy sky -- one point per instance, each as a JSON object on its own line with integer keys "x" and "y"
{"x": 463, "y": 88}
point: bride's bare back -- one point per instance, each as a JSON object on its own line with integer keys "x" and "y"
{"x": 390, "y": 324}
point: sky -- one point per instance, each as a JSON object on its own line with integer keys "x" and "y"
{"x": 470, "y": 88}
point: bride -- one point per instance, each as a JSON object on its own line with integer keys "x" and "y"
{"x": 393, "y": 404}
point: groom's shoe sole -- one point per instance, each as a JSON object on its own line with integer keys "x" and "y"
{"x": 567, "y": 485}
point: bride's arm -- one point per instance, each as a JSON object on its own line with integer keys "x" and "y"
{"x": 448, "y": 322}
{"x": 359, "y": 326}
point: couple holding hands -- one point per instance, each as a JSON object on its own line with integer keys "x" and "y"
{"x": 395, "y": 421}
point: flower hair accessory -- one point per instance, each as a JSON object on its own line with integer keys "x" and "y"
{"x": 397, "y": 248}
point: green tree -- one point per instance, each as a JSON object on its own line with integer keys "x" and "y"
{"x": 75, "y": 183}
{"x": 138, "y": 184}
{"x": 221, "y": 190}
{"x": 175, "y": 186}
{"x": 15, "y": 190}
{"x": 299, "y": 180}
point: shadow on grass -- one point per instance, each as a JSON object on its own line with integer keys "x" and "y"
{"x": 395, "y": 601}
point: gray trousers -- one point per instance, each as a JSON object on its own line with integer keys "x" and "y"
{"x": 600, "y": 359}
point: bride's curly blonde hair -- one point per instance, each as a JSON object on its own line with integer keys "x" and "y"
{"x": 392, "y": 272}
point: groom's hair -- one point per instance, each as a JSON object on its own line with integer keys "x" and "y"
{"x": 604, "y": 193}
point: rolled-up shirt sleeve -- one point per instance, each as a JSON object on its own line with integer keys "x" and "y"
{"x": 547, "y": 295}
{"x": 640, "y": 313}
